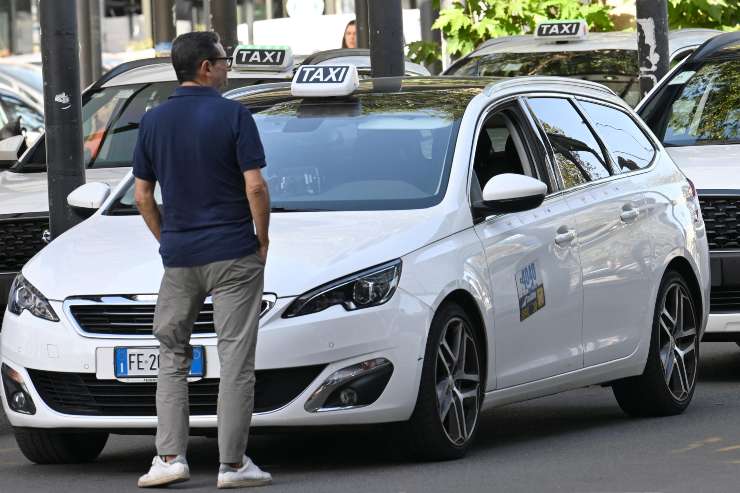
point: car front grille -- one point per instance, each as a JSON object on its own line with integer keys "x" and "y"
{"x": 83, "y": 394}
{"x": 724, "y": 300}
{"x": 128, "y": 318}
{"x": 20, "y": 239}
{"x": 722, "y": 220}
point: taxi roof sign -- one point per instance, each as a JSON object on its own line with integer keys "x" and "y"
{"x": 561, "y": 30}
{"x": 325, "y": 80}
{"x": 262, "y": 58}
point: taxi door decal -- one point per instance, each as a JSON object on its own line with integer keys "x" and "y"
{"x": 530, "y": 290}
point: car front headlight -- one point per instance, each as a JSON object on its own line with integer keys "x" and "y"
{"x": 23, "y": 296}
{"x": 370, "y": 287}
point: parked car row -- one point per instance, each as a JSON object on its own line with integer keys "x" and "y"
{"x": 440, "y": 246}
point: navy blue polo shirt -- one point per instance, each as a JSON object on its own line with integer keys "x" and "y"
{"x": 197, "y": 145}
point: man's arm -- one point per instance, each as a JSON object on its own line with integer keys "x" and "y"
{"x": 259, "y": 203}
{"x": 147, "y": 204}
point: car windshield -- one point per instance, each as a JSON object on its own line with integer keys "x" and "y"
{"x": 698, "y": 106}
{"x": 372, "y": 152}
{"x": 616, "y": 69}
{"x": 110, "y": 123}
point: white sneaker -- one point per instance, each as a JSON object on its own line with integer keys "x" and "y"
{"x": 248, "y": 475}
{"x": 164, "y": 473}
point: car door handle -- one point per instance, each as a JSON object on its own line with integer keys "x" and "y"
{"x": 629, "y": 215}
{"x": 565, "y": 237}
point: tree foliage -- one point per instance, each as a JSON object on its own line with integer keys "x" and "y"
{"x": 467, "y": 24}
{"x": 717, "y": 14}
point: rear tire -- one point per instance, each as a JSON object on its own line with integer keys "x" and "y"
{"x": 58, "y": 447}
{"x": 667, "y": 385}
{"x": 445, "y": 419}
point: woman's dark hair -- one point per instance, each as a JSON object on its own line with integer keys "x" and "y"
{"x": 344, "y": 34}
{"x": 189, "y": 50}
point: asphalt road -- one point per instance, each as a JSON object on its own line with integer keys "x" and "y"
{"x": 574, "y": 442}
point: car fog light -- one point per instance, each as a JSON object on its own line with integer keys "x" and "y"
{"x": 19, "y": 400}
{"x": 357, "y": 385}
{"x": 348, "y": 397}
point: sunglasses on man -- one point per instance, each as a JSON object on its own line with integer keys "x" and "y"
{"x": 228, "y": 59}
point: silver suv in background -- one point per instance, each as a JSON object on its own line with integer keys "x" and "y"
{"x": 695, "y": 112}
{"x": 608, "y": 58}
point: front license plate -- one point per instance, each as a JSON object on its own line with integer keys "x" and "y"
{"x": 143, "y": 362}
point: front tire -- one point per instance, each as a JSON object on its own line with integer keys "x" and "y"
{"x": 445, "y": 419}
{"x": 667, "y": 385}
{"x": 57, "y": 447}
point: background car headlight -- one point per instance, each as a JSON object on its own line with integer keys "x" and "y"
{"x": 371, "y": 287}
{"x": 23, "y": 296}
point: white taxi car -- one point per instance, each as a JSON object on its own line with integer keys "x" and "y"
{"x": 567, "y": 49}
{"x": 439, "y": 246}
{"x": 695, "y": 112}
{"x": 111, "y": 110}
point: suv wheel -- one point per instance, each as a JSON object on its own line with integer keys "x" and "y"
{"x": 58, "y": 447}
{"x": 667, "y": 385}
{"x": 445, "y": 419}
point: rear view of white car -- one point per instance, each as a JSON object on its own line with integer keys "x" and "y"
{"x": 439, "y": 246}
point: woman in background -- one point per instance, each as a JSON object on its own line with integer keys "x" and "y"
{"x": 349, "y": 39}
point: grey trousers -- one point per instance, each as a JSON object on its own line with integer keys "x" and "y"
{"x": 236, "y": 287}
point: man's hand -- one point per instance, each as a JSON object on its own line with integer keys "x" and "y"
{"x": 147, "y": 205}
{"x": 262, "y": 251}
{"x": 259, "y": 204}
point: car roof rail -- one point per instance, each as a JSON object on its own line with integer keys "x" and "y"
{"x": 711, "y": 46}
{"x": 322, "y": 56}
{"x": 125, "y": 67}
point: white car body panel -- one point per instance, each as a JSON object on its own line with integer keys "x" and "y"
{"x": 28, "y": 192}
{"x": 713, "y": 169}
{"x": 710, "y": 167}
{"x": 443, "y": 254}
{"x": 529, "y": 350}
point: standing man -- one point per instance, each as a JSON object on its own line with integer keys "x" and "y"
{"x": 206, "y": 155}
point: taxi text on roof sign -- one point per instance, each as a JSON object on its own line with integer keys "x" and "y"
{"x": 561, "y": 30}
{"x": 253, "y": 57}
{"x": 325, "y": 80}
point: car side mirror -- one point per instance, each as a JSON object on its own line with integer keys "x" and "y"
{"x": 9, "y": 150}
{"x": 88, "y": 198}
{"x": 510, "y": 192}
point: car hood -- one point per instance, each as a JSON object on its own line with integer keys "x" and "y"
{"x": 710, "y": 167}
{"x": 109, "y": 255}
{"x": 28, "y": 192}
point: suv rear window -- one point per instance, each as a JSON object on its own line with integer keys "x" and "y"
{"x": 698, "y": 106}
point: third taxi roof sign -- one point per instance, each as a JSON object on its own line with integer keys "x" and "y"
{"x": 561, "y": 30}
{"x": 255, "y": 57}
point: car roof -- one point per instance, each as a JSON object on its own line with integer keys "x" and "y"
{"x": 359, "y": 57}
{"x": 160, "y": 70}
{"x": 491, "y": 86}
{"x": 717, "y": 47}
{"x": 677, "y": 40}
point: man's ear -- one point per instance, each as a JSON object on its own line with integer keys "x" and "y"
{"x": 205, "y": 66}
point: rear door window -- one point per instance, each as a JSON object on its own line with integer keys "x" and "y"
{"x": 578, "y": 156}
{"x": 630, "y": 149}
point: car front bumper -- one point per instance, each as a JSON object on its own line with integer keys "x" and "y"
{"x": 329, "y": 340}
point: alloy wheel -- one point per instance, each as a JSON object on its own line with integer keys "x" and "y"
{"x": 457, "y": 378}
{"x": 678, "y": 342}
